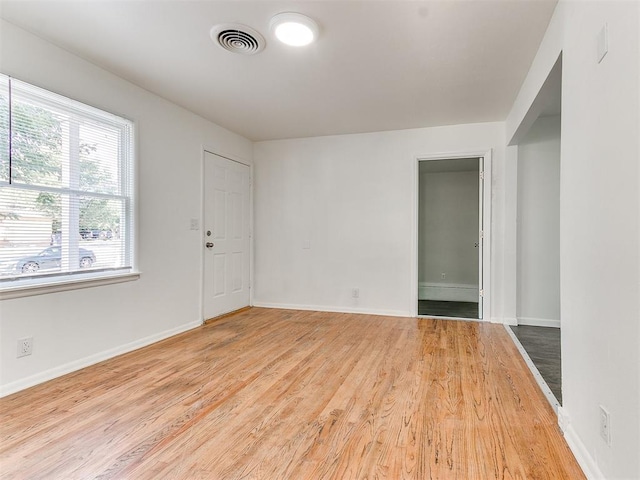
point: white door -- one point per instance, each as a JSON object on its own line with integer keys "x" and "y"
{"x": 226, "y": 235}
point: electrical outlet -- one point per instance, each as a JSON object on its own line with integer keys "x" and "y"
{"x": 25, "y": 346}
{"x": 443, "y": 276}
{"x": 605, "y": 425}
{"x": 355, "y": 293}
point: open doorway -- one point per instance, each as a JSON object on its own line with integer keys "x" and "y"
{"x": 538, "y": 310}
{"x": 450, "y": 253}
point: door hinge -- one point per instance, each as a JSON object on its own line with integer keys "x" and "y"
{"x": 482, "y": 293}
{"x": 481, "y": 174}
{"x": 481, "y": 234}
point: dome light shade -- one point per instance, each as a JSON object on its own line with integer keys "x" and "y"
{"x": 294, "y": 29}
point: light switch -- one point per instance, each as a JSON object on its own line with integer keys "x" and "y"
{"x": 306, "y": 244}
{"x": 195, "y": 224}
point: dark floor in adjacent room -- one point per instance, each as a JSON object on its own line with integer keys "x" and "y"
{"x": 543, "y": 346}
{"x": 440, "y": 308}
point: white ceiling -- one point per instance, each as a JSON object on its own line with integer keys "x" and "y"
{"x": 378, "y": 65}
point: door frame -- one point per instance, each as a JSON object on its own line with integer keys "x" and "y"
{"x": 486, "y": 225}
{"x": 234, "y": 158}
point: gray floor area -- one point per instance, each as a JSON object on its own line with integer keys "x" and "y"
{"x": 542, "y": 344}
{"x": 448, "y": 309}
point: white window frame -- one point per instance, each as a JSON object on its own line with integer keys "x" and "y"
{"x": 29, "y": 286}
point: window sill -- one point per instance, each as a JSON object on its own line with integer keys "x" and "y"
{"x": 58, "y": 285}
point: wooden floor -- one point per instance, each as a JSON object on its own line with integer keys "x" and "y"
{"x": 273, "y": 394}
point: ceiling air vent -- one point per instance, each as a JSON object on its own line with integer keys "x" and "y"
{"x": 237, "y": 38}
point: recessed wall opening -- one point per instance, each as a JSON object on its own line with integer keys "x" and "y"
{"x": 450, "y": 216}
{"x": 538, "y": 236}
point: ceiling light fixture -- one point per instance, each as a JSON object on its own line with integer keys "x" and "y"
{"x": 294, "y": 29}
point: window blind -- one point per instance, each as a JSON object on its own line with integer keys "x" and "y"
{"x": 66, "y": 186}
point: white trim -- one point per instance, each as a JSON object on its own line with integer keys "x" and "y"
{"x": 201, "y": 233}
{"x": 229, "y": 156}
{"x": 75, "y": 365}
{"x": 506, "y": 321}
{"x": 486, "y": 229}
{"x": 63, "y": 284}
{"x": 134, "y": 207}
{"x": 486, "y": 221}
{"x": 452, "y": 292}
{"x": 563, "y": 419}
{"x": 322, "y": 308}
{"x": 534, "y": 370}
{"x": 63, "y": 191}
{"x": 413, "y": 258}
{"x": 581, "y": 453}
{"x": 538, "y": 322}
{"x": 251, "y": 236}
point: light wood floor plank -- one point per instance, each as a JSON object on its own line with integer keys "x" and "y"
{"x": 275, "y": 394}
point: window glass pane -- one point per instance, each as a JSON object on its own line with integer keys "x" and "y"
{"x": 36, "y": 238}
{"x": 36, "y": 143}
{"x": 101, "y": 230}
{"x": 59, "y": 142}
{"x": 4, "y": 128}
{"x": 27, "y": 222}
{"x": 99, "y": 158}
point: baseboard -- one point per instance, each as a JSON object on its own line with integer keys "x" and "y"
{"x": 580, "y": 451}
{"x": 504, "y": 320}
{"x": 538, "y": 322}
{"x": 323, "y": 308}
{"x": 224, "y": 316}
{"x": 451, "y": 292}
{"x": 546, "y": 391}
{"x": 56, "y": 372}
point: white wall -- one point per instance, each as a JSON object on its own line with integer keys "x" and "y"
{"x": 447, "y": 231}
{"x": 74, "y": 328}
{"x": 599, "y": 226}
{"x": 539, "y": 224}
{"x": 353, "y": 199}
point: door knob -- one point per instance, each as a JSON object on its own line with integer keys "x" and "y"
{"x": 209, "y": 244}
